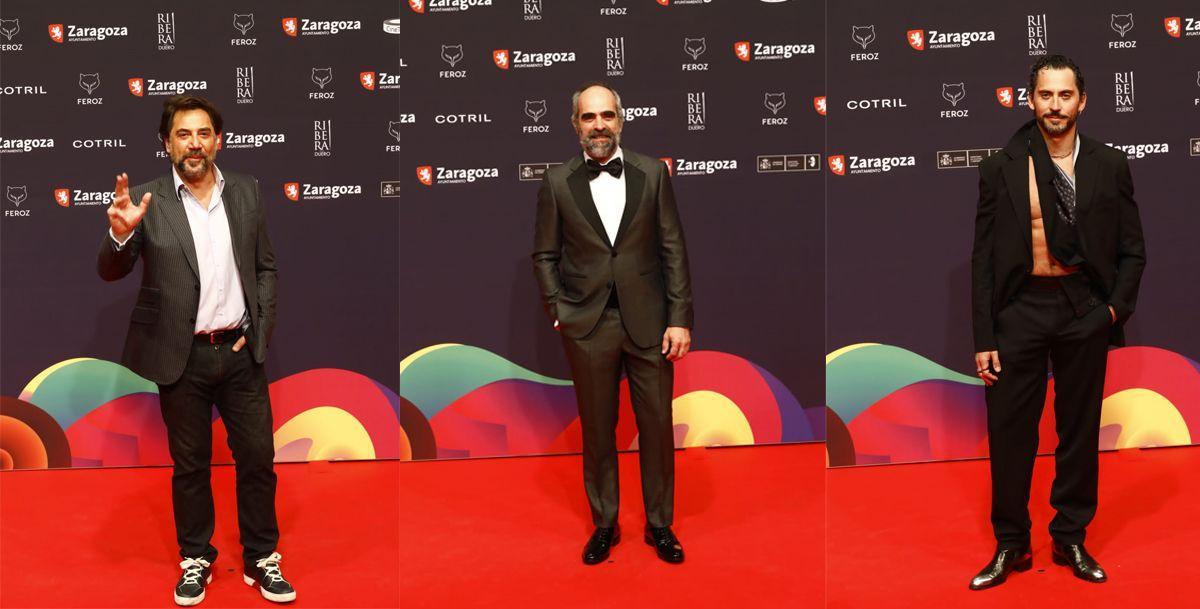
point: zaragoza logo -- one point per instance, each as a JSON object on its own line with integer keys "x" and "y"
{"x": 290, "y": 27}
{"x": 137, "y": 86}
{"x": 56, "y": 32}
{"x": 425, "y": 174}
{"x": 1004, "y": 95}
{"x": 916, "y": 39}
{"x": 819, "y": 104}
{"x": 62, "y": 196}
{"x": 837, "y": 164}
{"x": 741, "y": 48}
{"x": 418, "y": 6}
{"x": 500, "y": 57}
{"x": 291, "y": 190}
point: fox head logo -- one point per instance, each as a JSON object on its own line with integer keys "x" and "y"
{"x": 1004, "y": 95}
{"x": 62, "y": 196}
{"x": 742, "y": 50}
{"x": 394, "y": 129}
{"x": 289, "y": 26}
{"x": 819, "y": 104}
{"x": 322, "y": 76}
{"x": 953, "y": 93}
{"x": 1121, "y": 24}
{"x": 9, "y": 28}
{"x": 425, "y": 175}
{"x": 56, "y": 32}
{"x": 535, "y": 109}
{"x": 367, "y": 80}
{"x": 418, "y": 6}
{"x": 1172, "y": 25}
{"x": 916, "y": 39}
{"x": 89, "y": 82}
{"x": 136, "y": 86}
{"x": 16, "y": 194}
{"x": 670, "y": 163}
{"x": 452, "y": 53}
{"x": 862, "y": 34}
{"x": 837, "y": 164}
{"x": 243, "y": 23}
{"x": 500, "y": 57}
{"x": 774, "y": 102}
{"x": 695, "y": 47}
{"x": 291, "y": 190}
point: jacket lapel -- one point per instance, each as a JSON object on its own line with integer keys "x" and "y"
{"x": 171, "y": 207}
{"x": 582, "y": 192}
{"x": 1016, "y": 177}
{"x": 1086, "y": 171}
{"x": 233, "y": 211}
{"x": 635, "y": 183}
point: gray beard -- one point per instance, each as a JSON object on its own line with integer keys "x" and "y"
{"x": 184, "y": 172}
{"x": 600, "y": 149}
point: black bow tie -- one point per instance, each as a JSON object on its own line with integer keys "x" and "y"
{"x": 613, "y": 167}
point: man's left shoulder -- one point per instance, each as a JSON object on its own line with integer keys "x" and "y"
{"x": 1107, "y": 155}
{"x": 648, "y": 164}
{"x": 239, "y": 180}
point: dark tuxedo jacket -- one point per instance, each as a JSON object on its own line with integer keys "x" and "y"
{"x": 577, "y": 267}
{"x": 163, "y": 320}
{"x": 1109, "y": 232}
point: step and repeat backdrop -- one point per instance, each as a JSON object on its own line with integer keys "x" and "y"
{"x": 309, "y": 94}
{"x": 919, "y": 93}
{"x": 730, "y": 95}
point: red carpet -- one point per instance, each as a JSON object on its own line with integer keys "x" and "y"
{"x": 105, "y": 538}
{"x": 509, "y": 532}
{"x": 914, "y": 535}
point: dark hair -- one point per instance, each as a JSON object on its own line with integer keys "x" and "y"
{"x": 588, "y": 85}
{"x": 1056, "y": 62}
{"x": 177, "y": 103}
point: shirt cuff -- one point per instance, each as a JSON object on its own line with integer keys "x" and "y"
{"x": 120, "y": 244}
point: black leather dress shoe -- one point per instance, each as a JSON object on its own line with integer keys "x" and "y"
{"x": 1002, "y": 564}
{"x": 1082, "y": 565}
{"x": 665, "y": 544}
{"x": 600, "y": 544}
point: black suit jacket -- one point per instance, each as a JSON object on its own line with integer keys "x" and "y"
{"x": 1109, "y": 230}
{"x": 577, "y": 267}
{"x": 163, "y": 320}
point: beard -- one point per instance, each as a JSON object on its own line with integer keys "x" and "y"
{"x": 600, "y": 144}
{"x": 190, "y": 172}
{"x": 1062, "y": 127}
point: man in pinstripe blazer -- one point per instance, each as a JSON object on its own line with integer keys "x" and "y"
{"x": 200, "y": 328}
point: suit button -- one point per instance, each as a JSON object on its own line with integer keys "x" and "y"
{"x": 614, "y": 254}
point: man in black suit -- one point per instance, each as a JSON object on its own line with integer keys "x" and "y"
{"x": 1057, "y": 260}
{"x": 612, "y": 266}
{"x": 208, "y": 293}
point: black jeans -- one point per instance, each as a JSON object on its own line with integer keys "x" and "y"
{"x": 1043, "y": 325}
{"x": 215, "y": 374}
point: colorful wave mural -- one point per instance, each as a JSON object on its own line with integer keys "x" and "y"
{"x": 454, "y": 401}
{"x": 93, "y": 413}
{"x": 479, "y": 404}
{"x": 889, "y": 405}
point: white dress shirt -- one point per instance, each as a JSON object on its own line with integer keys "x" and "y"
{"x": 222, "y": 301}
{"x": 609, "y": 195}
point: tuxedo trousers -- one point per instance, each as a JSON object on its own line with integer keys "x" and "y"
{"x": 217, "y": 375}
{"x": 1047, "y": 323}
{"x": 597, "y": 361}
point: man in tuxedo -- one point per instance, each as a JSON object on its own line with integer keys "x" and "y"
{"x": 1057, "y": 260}
{"x": 611, "y": 262}
{"x": 204, "y": 315}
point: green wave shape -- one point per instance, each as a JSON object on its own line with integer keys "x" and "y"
{"x": 76, "y": 389}
{"x": 860, "y": 377}
{"x": 438, "y": 378}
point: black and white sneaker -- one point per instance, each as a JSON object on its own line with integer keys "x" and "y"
{"x": 270, "y": 581}
{"x": 190, "y": 589}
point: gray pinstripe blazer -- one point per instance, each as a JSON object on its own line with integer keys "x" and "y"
{"x": 163, "y": 321}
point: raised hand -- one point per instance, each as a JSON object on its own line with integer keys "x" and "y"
{"x": 123, "y": 216}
